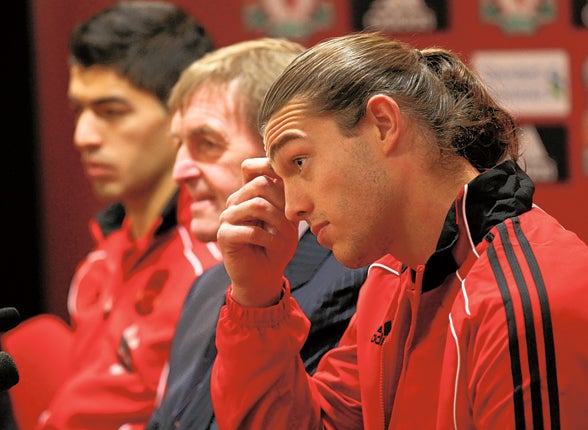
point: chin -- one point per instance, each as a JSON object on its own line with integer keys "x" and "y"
{"x": 353, "y": 259}
{"x": 348, "y": 260}
{"x": 203, "y": 229}
{"x": 204, "y": 235}
{"x": 205, "y": 238}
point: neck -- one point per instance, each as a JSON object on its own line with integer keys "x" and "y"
{"x": 429, "y": 209}
{"x": 143, "y": 211}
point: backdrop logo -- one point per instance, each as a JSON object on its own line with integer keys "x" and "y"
{"x": 518, "y": 16}
{"x": 397, "y": 15}
{"x": 294, "y": 19}
{"x": 530, "y": 83}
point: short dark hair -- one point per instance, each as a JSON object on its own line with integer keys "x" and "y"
{"x": 148, "y": 42}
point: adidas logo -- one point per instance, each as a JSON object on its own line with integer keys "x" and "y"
{"x": 380, "y": 335}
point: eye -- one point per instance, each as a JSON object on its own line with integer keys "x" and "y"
{"x": 204, "y": 149}
{"x": 207, "y": 147}
{"x": 299, "y": 162}
{"x": 111, "y": 110}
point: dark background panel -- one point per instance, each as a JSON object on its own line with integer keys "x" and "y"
{"x": 21, "y": 267}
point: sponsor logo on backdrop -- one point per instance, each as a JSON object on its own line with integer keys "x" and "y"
{"x": 518, "y": 16}
{"x": 294, "y": 19}
{"x": 580, "y": 13}
{"x": 533, "y": 83}
{"x": 544, "y": 152}
{"x": 398, "y": 16}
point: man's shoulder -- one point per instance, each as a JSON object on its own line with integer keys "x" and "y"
{"x": 335, "y": 273}
{"x": 210, "y": 287}
{"x": 216, "y": 273}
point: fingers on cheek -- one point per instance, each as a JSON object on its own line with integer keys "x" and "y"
{"x": 262, "y": 237}
{"x": 268, "y": 189}
{"x": 256, "y": 212}
{"x": 259, "y": 208}
{"x": 254, "y": 167}
{"x": 258, "y": 187}
{"x": 266, "y": 221}
{"x": 274, "y": 242}
{"x": 231, "y": 237}
{"x": 235, "y": 198}
{"x": 247, "y": 191}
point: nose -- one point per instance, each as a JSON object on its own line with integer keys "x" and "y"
{"x": 87, "y": 130}
{"x": 297, "y": 205}
{"x": 185, "y": 167}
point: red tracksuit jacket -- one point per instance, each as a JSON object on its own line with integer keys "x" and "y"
{"x": 493, "y": 338}
{"x": 124, "y": 303}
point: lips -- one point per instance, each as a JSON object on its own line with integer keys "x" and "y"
{"x": 201, "y": 204}
{"x": 318, "y": 230}
{"x": 94, "y": 170}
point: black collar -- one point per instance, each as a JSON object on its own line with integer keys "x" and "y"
{"x": 111, "y": 218}
{"x": 492, "y": 197}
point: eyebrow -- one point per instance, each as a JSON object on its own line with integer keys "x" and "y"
{"x": 100, "y": 101}
{"x": 204, "y": 130}
{"x": 200, "y": 129}
{"x": 277, "y": 146}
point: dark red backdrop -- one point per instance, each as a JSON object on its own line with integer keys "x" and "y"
{"x": 65, "y": 200}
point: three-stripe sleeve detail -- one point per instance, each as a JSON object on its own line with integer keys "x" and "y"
{"x": 517, "y": 262}
{"x": 552, "y": 387}
{"x": 513, "y": 343}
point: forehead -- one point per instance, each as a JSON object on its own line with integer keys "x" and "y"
{"x": 286, "y": 124}
{"x": 214, "y": 108}
{"x": 94, "y": 75}
{"x": 214, "y": 100}
{"x": 87, "y": 84}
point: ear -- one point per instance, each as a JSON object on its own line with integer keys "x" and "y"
{"x": 384, "y": 114}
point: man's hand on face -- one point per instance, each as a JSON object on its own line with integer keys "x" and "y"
{"x": 256, "y": 239}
